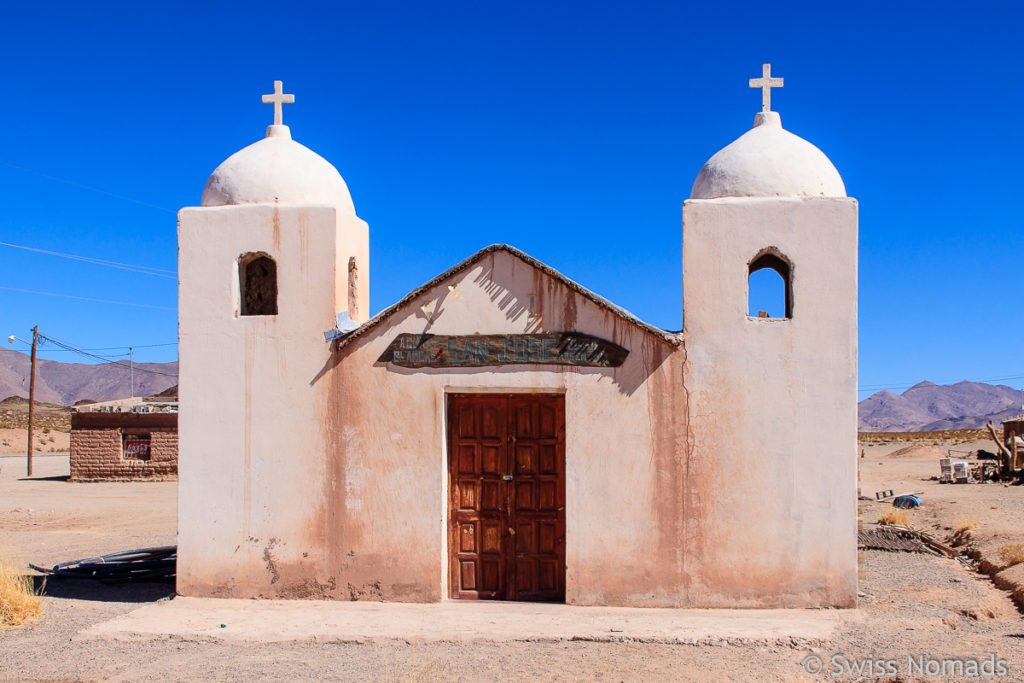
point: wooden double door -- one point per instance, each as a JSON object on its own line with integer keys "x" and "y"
{"x": 506, "y": 458}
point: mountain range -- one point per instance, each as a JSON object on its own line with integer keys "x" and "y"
{"x": 68, "y": 383}
{"x": 924, "y": 407}
{"x": 928, "y": 407}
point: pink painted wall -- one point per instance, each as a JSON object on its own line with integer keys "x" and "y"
{"x": 693, "y": 478}
{"x": 773, "y": 404}
{"x": 253, "y": 439}
{"x": 624, "y": 426}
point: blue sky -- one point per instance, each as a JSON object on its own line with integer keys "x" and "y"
{"x": 572, "y": 130}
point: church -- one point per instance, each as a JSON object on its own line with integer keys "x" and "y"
{"x": 502, "y": 432}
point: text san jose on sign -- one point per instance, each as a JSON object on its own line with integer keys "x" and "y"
{"x": 468, "y": 351}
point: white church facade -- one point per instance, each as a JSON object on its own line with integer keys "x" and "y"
{"x": 504, "y": 433}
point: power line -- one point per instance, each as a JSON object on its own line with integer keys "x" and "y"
{"x": 114, "y": 348}
{"x": 110, "y": 348}
{"x": 115, "y": 355}
{"x": 122, "y": 364}
{"x": 145, "y": 270}
{"x": 879, "y": 387}
{"x": 86, "y": 187}
{"x": 85, "y": 298}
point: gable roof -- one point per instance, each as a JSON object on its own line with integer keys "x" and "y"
{"x": 674, "y": 338}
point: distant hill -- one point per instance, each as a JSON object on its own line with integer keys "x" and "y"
{"x": 14, "y": 415}
{"x": 68, "y": 383}
{"x": 924, "y": 407}
{"x": 929, "y": 407}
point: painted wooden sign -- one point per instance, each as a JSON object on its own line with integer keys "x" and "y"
{"x": 478, "y": 350}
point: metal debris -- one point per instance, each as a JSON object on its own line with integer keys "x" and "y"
{"x": 144, "y": 564}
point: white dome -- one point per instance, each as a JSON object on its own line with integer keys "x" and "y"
{"x": 277, "y": 170}
{"x": 768, "y": 161}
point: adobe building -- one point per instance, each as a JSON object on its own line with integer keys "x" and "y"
{"x": 503, "y": 432}
{"x": 124, "y": 440}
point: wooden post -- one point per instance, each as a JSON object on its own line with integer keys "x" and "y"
{"x": 32, "y": 396}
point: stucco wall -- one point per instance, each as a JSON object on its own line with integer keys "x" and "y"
{"x": 624, "y": 429}
{"x": 252, "y": 399}
{"x": 719, "y": 473}
{"x": 341, "y": 492}
{"x": 773, "y": 404}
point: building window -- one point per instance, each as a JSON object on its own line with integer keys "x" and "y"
{"x": 770, "y": 285}
{"x": 135, "y": 446}
{"x": 257, "y": 280}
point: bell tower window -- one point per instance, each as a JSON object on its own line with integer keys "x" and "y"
{"x": 770, "y": 285}
{"x": 257, "y": 280}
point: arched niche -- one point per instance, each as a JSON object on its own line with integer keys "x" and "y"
{"x": 770, "y": 285}
{"x": 257, "y": 284}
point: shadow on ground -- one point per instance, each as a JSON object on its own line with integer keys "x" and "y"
{"x": 70, "y": 588}
{"x": 61, "y": 477}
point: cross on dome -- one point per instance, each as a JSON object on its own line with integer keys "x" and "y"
{"x": 766, "y": 83}
{"x": 279, "y": 98}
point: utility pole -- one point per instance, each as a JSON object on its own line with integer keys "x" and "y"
{"x": 32, "y": 395}
{"x": 131, "y": 366}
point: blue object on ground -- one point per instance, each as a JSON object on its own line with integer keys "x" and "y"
{"x": 906, "y": 502}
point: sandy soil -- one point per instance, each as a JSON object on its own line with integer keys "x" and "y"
{"x": 50, "y": 432}
{"x": 15, "y": 441}
{"x": 911, "y": 606}
{"x": 995, "y": 510}
{"x": 47, "y": 519}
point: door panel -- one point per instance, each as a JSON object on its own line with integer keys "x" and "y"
{"x": 538, "y": 445}
{"x": 478, "y": 450}
{"x": 507, "y": 501}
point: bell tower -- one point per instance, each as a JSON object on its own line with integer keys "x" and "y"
{"x": 273, "y": 253}
{"x": 775, "y": 393}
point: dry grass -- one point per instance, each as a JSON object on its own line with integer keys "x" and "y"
{"x": 962, "y": 534}
{"x": 894, "y": 517}
{"x": 19, "y": 602}
{"x": 1012, "y": 554}
{"x": 965, "y": 525}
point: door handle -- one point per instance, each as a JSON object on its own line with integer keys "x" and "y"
{"x": 507, "y": 477}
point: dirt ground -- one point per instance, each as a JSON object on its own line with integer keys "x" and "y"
{"x": 915, "y": 610}
{"x": 50, "y": 433}
{"x": 14, "y": 441}
{"x": 995, "y": 512}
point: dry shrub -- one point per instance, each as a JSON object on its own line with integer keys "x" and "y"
{"x": 1012, "y": 554}
{"x": 19, "y": 602}
{"x": 965, "y": 525}
{"x": 962, "y": 533}
{"x": 894, "y": 517}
